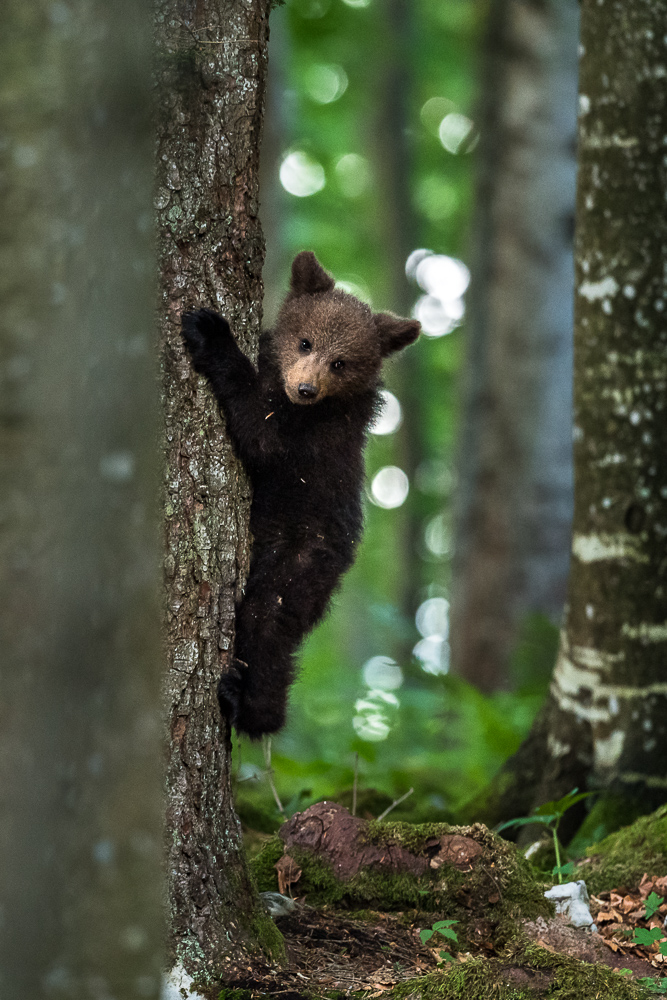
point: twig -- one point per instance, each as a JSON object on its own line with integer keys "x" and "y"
{"x": 269, "y": 771}
{"x": 395, "y": 803}
{"x": 354, "y": 784}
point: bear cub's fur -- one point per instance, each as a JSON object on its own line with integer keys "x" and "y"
{"x": 298, "y": 424}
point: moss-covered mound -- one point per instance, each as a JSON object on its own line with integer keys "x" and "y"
{"x": 528, "y": 974}
{"x": 467, "y": 874}
{"x": 622, "y": 858}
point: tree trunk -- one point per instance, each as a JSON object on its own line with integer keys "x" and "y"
{"x": 515, "y": 468}
{"x": 80, "y": 738}
{"x": 212, "y": 64}
{"x": 606, "y": 718}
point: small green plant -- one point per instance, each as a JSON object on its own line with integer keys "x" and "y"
{"x": 658, "y": 986}
{"x": 649, "y": 937}
{"x": 550, "y": 814}
{"x": 652, "y": 904}
{"x": 444, "y": 928}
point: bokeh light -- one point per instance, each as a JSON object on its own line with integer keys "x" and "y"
{"x": 414, "y": 260}
{"x": 383, "y": 673}
{"x": 433, "y": 111}
{"x": 325, "y": 82}
{"x": 301, "y": 175}
{"x": 445, "y": 280}
{"x": 443, "y": 276}
{"x": 433, "y": 655}
{"x": 354, "y": 175}
{"x": 457, "y": 133}
{"x": 390, "y": 487}
{"x": 432, "y": 618}
{"x": 371, "y": 722}
{"x": 390, "y": 417}
{"x": 437, "y": 536}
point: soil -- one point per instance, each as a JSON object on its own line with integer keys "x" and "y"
{"x": 331, "y": 952}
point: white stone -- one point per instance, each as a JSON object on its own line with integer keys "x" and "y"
{"x": 571, "y": 900}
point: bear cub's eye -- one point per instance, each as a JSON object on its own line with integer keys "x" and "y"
{"x": 338, "y": 365}
{"x": 305, "y": 345}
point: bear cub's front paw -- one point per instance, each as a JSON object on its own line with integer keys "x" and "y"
{"x": 206, "y": 336}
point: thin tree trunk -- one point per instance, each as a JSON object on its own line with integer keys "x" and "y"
{"x": 515, "y": 469}
{"x": 80, "y": 737}
{"x": 606, "y": 719}
{"x": 212, "y": 65}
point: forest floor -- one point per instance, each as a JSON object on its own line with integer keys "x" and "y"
{"x": 506, "y": 943}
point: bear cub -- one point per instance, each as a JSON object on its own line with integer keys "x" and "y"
{"x": 299, "y": 425}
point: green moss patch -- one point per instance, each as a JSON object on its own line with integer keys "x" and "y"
{"x": 525, "y": 975}
{"x": 488, "y": 897}
{"x": 622, "y": 858}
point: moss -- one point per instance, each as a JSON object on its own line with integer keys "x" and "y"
{"x": 271, "y": 941}
{"x": 526, "y": 974}
{"x": 622, "y": 858}
{"x": 262, "y": 865}
{"x": 501, "y": 888}
{"x": 608, "y": 814}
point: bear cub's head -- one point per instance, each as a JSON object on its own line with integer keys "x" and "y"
{"x": 328, "y": 343}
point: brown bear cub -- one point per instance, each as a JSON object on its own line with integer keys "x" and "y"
{"x": 299, "y": 425}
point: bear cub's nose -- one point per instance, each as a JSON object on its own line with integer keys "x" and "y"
{"x": 307, "y": 390}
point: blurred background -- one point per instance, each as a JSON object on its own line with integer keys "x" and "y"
{"x": 424, "y": 149}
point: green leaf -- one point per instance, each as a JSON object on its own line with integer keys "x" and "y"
{"x": 566, "y": 869}
{"x": 525, "y": 820}
{"x": 560, "y": 806}
{"x": 445, "y": 956}
{"x": 645, "y": 937}
{"x": 652, "y": 904}
{"x": 426, "y": 934}
{"x": 439, "y": 924}
{"x": 448, "y": 933}
{"x": 662, "y": 947}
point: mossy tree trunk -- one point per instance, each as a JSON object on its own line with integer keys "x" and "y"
{"x": 80, "y": 736}
{"x": 514, "y": 504}
{"x": 211, "y": 69}
{"x": 606, "y": 719}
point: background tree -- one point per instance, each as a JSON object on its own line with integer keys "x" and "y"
{"x": 80, "y": 775}
{"x": 212, "y": 64}
{"x": 606, "y": 716}
{"x": 514, "y": 499}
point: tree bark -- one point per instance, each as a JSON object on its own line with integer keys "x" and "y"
{"x": 212, "y": 63}
{"x": 606, "y": 718}
{"x": 515, "y": 470}
{"x": 80, "y": 737}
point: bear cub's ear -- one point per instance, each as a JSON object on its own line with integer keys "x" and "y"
{"x": 308, "y": 275}
{"x": 394, "y": 332}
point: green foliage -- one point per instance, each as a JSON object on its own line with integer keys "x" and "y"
{"x": 550, "y": 814}
{"x": 652, "y": 904}
{"x": 444, "y": 929}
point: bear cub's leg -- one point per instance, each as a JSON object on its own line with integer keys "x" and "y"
{"x": 286, "y": 595}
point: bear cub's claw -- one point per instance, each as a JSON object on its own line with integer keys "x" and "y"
{"x": 204, "y": 333}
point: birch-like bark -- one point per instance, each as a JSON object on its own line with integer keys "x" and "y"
{"x": 211, "y": 69}
{"x": 80, "y": 735}
{"x": 514, "y": 503}
{"x": 611, "y": 674}
{"x": 605, "y": 722}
